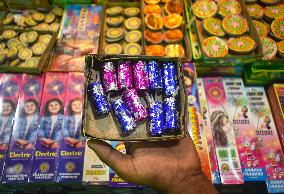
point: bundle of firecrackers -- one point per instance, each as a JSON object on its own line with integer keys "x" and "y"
{"x": 124, "y": 84}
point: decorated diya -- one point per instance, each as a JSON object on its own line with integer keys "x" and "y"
{"x": 269, "y": 48}
{"x": 132, "y": 23}
{"x": 154, "y": 21}
{"x": 261, "y": 28}
{"x": 173, "y": 7}
{"x": 255, "y": 11}
{"x": 270, "y": 2}
{"x": 204, "y": 8}
{"x": 213, "y": 26}
{"x": 113, "y": 49}
{"x": 174, "y": 50}
{"x": 153, "y": 37}
{"x": 173, "y": 21}
{"x": 152, "y": 1}
{"x": 132, "y": 49}
{"x": 235, "y": 25}
{"x": 215, "y": 47}
{"x": 114, "y": 21}
{"x": 274, "y": 11}
{"x": 229, "y": 7}
{"x": 133, "y": 36}
{"x": 131, "y": 11}
{"x": 277, "y": 28}
{"x": 280, "y": 47}
{"x": 155, "y": 50}
{"x": 114, "y": 33}
{"x": 152, "y": 8}
{"x": 173, "y": 35}
{"x": 114, "y": 11}
{"x": 241, "y": 45}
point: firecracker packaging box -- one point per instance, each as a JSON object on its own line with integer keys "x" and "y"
{"x": 70, "y": 157}
{"x": 21, "y": 148}
{"x": 49, "y": 131}
{"x": 267, "y": 139}
{"x": 223, "y": 132}
{"x": 215, "y": 174}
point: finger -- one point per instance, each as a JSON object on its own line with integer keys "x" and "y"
{"x": 119, "y": 162}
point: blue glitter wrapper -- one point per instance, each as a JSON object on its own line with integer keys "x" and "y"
{"x": 155, "y": 75}
{"x": 170, "y": 82}
{"x": 170, "y": 114}
{"x": 156, "y": 119}
{"x": 98, "y": 98}
{"x": 123, "y": 116}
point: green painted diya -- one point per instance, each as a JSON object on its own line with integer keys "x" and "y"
{"x": 31, "y": 62}
{"x": 133, "y": 36}
{"x": 277, "y": 28}
{"x": 235, "y": 25}
{"x": 280, "y": 47}
{"x": 241, "y": 45}
{"x": 37, "y": 16}
{"x": 269, "y": 48}
{"x": 132, "y": 23}
{"x": 204, "y": 8}
{"x": 38, "y": 48}
{"x": 132, "y": 49}
{"x": 45, "y": 39}
{"x": 25, "y": 54}
{"x": 49, "y": 18}
{"x": 274, "y": 11}
{"x": 7, "y": 34}
{"x": 113, "y": 11}
{"x": 13, "y": 43}
{"x": 113, "y": 49}
{"x": 261, "y": 28}
{"x": 213, "y": 26}
{"x": 255, "y": 11}
{"x": 131, "y": 11}
{"x": 114, "y": 21}
{"x": 229, "y": 7}
{"x": 215, "y": 47}
{"x": 114, "y": 33}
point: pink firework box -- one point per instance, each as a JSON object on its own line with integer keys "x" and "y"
{"x": 207, "y": 129}
{"x": 237, "y": 107}
{"x": 267, "y": 139}
{"x": 223, "y": 134}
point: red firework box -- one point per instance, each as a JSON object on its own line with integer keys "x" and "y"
{"x": 195, "y": 125}
{"x": 49, "y": 131}
{"x": 209, "y": 136}
{"x": 21, "y": 148}
{"x": 267, "y": 139}
{"x": 275, "y": 94}
{"x": 223, "y": 132}
{"x": 10, "y": 87}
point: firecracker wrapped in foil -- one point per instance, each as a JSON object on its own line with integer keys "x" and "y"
{"x": 170, "y": 78}
{"x": 156, "y": 118}
{"x": 155, "y": 75}
{"x": 109, "y": 77}
{"x": 135, "y": 105}
{"x": 125, "y": 76}
{"x": 123, "y": 116}
{"x": 98, "y": 98}
{"x": 140, "y": 73}
{"x": 170, "y": 114}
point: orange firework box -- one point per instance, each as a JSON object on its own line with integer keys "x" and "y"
{"x": 195, "y": 124}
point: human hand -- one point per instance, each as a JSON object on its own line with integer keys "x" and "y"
{"x": 169, "y": 167}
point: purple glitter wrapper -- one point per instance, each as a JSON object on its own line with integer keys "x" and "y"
{"x": 123, "y": 116}
{"x": 155, "y": 75}
{"x": 170, "y": 82}
{"x": 135, "y": 105}
{"x": 98, "y": 98}
{"x": 141, "y": 76}
{"x": 156, "y": 119}
{"x": 125, "y": 77}
{"x": 109, "y": 77}
{"x": 170, "y": 114}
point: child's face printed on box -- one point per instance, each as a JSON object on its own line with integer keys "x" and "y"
{"x": 77, "y": 106}
{"x": 187, "y": 81}
{"x": 54, "y": 107}
{"x": 6, "y": 109}
{"x": 30, "y": 108}
{"x": 226, "y": 127}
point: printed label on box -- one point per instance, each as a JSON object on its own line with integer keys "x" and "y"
{"x": 21, "y": 148}
{"x": 209, "y": 136}
{"x": 279, "y": 90}
{"x": 223, "y": 132}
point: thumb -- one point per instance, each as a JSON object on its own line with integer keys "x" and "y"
{"x": 119, "y": 162}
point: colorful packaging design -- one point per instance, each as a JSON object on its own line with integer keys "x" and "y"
{"x": 223, "y": 132}
{"x": 275, "y": 96}
{"x": 267, "y": 139}
{"x": 21, "y": 148}
{"x": 79, "y": 35}
{"x": 237, "y": 107}
{"x": 72, "y": 146}
{"x": 209, "y": 136}
{"x": 9, "y": 92}
{"x": 95, "y": 171}
{"x": 49, "y": 131}
{"x": 195, "y": 127}
{"x": 114, "y": 179}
